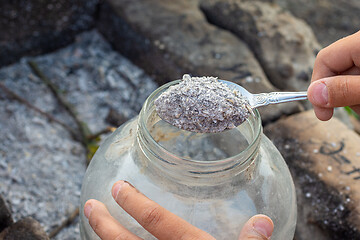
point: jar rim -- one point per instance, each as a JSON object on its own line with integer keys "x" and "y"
{"x": 254, "y": 114}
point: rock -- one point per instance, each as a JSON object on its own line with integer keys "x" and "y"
{"x": 284, "y": 45}
{"x": 330, "y": 19}
{"x": 115, "y": 118}
{"x": 170, "y": 38}
{"x": 355, "y": 121}
{"x": 41, "y": 165}
{"x": 344, "y": 117}
{"x": 324, "y": 159}
{"x": 5, "y": 215}
{"x": 27, "y": 228}
{"x": 35, "y": 27}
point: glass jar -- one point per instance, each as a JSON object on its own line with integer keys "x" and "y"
{"x": 215, "y": 181}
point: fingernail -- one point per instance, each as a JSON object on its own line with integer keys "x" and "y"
{"x": 87, "y": 210}
{"x": 116, "y": 188}
{"x": 263, "y": 227}
{"x": 320, "y": 94}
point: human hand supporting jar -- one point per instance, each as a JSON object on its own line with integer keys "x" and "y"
{"x": 336, "y": 77}
{"x": 157, "y": 220}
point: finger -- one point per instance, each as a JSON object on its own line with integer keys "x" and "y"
{"x": 323, "y": 114}
{"x": 318, "y": 96}
{"x": 157, "y": 220}
{"x": 258, "y": 227}
{"x": 352, "y": 71}
{"x": 337, "y": 91}
{"x": 104, "y": 225}
{"x": 338, "y": 57}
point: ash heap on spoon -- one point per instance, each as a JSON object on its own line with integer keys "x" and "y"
{"x": 206, "y": 104}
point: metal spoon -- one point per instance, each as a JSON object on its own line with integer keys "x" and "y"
{"x": 263, "y": 99}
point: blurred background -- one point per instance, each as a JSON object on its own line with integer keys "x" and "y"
{"x": 73, "y": 71}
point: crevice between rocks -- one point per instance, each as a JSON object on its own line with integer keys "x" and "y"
{"x": 283, "y": 45}
{"x": 213, "y": 23}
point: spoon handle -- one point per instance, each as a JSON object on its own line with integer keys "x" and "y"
{"x": 263, "y": 99}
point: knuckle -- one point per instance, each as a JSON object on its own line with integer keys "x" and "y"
{"x": 344, "y": 88}
{"x": 322, "y": 58}
{"x": 339, "y": 91}
{"x": 152, "y": 217}
{"x": 321, "y": 54}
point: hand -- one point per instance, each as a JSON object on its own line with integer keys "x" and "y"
{"x": 157, "y": 220}
{"x": 336, "y": 77}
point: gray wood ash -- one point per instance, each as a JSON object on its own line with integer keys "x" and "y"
{"x": 202, "y": 104}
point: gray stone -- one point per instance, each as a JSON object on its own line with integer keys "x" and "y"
{"x": 330, "y": 19}
{"x": 71, "y": 232}
{"x": 27, "y": 228}
{"x": 34, "y": 27}
{"x": 5, "y": 215}
{"x": 284, "y": 45}
{"x": 355, "y": 122}
{"x": 344, "y": 117}
{"x": 115, "y": 118}
{"x": 170, "y": 38}
{"x": 324, "y": 160}
{"x": 41, "y": 165}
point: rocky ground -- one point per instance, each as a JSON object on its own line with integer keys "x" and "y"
{"x": 101, "y": 78}
{"x": 41, "y": 164}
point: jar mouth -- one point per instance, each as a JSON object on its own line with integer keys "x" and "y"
{"x": 148, "y": 117}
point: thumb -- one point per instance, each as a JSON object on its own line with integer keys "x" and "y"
{"x": 259, "y": 227}
{"x": 337, "y": 91}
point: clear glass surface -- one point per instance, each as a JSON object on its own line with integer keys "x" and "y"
{"x": 215, "y": 181}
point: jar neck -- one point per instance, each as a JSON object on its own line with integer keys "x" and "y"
{"x": 198, "y": 157}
